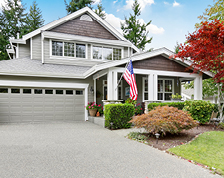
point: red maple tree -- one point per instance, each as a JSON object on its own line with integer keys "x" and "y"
{"x": 205, "y": 49}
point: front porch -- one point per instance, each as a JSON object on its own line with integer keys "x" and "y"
{"x": 153, "y": 85}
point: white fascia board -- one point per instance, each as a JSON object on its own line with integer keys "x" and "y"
{"x": 50, "y": 75}
{"x": 63, "y": 36}
{"x": 18, "y": 41}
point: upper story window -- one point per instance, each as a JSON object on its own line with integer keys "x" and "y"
{"x": 81, "y": 50}
{"x": 106, "y": 53}
{"x": 57, "y": 48}
{"x": 68, "y": 49}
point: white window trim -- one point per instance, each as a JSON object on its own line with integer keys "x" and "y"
{"x": 104, "y": 85}
{"x": 67, "y": 57}
{"x": 106, "y": 46}
{"x": 163, "y": 79}
{"x": 143, "y": 89}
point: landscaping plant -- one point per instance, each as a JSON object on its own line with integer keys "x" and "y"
{"x": 179, "y": 105}
{"x": 117, "y": 116}
{"x": 200, "y": 110}
{"x": 138, "y": 109}
{"x": 164, "y": 120}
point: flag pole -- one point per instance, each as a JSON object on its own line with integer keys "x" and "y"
{"x": 123, "y": 73}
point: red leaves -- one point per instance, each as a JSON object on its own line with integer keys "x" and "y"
{"x": 205, "y": 48}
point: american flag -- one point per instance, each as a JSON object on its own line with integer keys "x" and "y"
{"x": 130, "y": 78}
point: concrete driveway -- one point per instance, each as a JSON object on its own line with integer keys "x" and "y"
{"x": 84, "y": 150}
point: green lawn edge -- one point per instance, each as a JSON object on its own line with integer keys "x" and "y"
{"x": 206, "y": 149}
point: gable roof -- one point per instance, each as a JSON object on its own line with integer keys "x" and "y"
{"x": 74, "y": 15}
{"x": 141, "y": 56}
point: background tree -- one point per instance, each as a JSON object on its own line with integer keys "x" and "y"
{"x": 100, "y": 11}
{"x": 176, "y": 48}
{"x": 34, "y": 18}
{"x": 205, "y": 49}
{"x": 133, "y": 30}
{"x": 215, "y": 11}
{"x": 12, "y": 21}
{"x": 75, "y": 5}
{"x": 209, "y": 87}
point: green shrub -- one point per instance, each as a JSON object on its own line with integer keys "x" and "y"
{"x": 221, "y": 125}
{"x": 179, "y": 105}
{"x": 164, "y": 120}
{"x": 200, "y": 110}
{"x": 137, "y": 136}
{"x": 117, "y": 116}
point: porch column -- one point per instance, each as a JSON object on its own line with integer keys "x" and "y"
{"x": 94, "y": 90}
{"x": 110, "y": 85}
{"x": 155, "y": 91}
{"x": 150, "y": 87}
{"x": 198, "y": 88}
{"x": 115, "y": 86}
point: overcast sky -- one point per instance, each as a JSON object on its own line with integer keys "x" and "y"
{"x": 172, "y": 20}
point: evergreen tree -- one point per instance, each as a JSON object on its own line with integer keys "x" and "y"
{"x": 99, "y": 11}
{"x": 75, "y": 5}
{"x": 34, "y": 18}
{"x": 133, "y": 30}
{"x": 12, "y": 21}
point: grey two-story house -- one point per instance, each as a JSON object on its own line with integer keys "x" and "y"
{"x": 57, "y": 69}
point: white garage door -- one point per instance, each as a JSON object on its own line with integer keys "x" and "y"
{"x": 41, "y": 105}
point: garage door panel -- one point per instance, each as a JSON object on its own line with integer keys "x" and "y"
{"x": 41, "y": 107}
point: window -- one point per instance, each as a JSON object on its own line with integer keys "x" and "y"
{"x": 81, "y": 50}
{"x": 37, "y": 91}
{"x": 69, "y": 49}
{"x": 57, "y": 48}
{"x": 165, "y": 89}
{"x": 27, "y": 91}
{"x": 145, "y": 89}
{"x": 69, "y": 92}
{"x": 59, "y": 92}
{"x": 79, "y": 92}
{"x": 97, "y": 52}
{"x": 106, "y": 53}
{"x": 15, "y": 90}
{"x": 49, "y": 92}
{"x": 116, "y": 54}
{"x": 3, "y": 90}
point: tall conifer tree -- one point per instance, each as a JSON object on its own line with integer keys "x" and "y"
{"x": 133, "y": 30}
{"x": 75, "y": 5}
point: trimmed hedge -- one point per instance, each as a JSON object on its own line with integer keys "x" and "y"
{"x": 200, "y": 110}
{"x": 179, "y": 105}
{"x": 117, "y": 116}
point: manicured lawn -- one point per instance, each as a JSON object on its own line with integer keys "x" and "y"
{"x": 207, "y": 149}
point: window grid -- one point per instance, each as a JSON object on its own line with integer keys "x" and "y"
{"x": 81, "y": 50}
{"x": 57, "y": 48}
{"x": 68, "y": 49}
{"x": 165, "y": 89}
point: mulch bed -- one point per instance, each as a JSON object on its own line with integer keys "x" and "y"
{"x": 170, "y": 140}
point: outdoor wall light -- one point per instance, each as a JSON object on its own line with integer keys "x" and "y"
{"x": 157, "y": 137}
{"x": 91, "y": 89}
